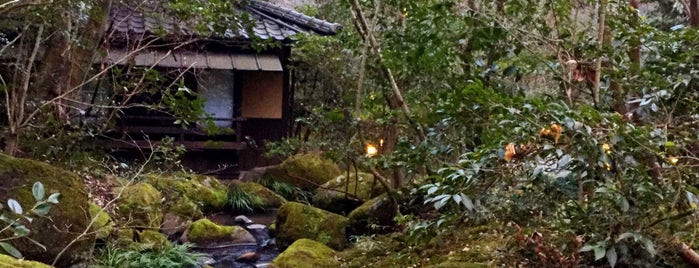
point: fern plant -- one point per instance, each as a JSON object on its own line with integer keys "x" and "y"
{"x": 241, "y": 201}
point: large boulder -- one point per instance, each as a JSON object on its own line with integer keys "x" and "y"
{"x": 374, "y": 216}
{"x": 140, "y": 205}
{"x": 306, "y": 253}
{"x": 68, "y": 219}
{"x": 307, "y": 171}
{"x": 265, "y": 198}
{"x": 205, "y": 231}
{"x": 9, "y": 262}
{"x": 296, "y": 221}
{"x": 174, "y": 226}
{"x": 205, "y": 191}
{"x": 360, "y": 187}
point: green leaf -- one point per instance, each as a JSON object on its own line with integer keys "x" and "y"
{"x": 625, "y": 236}
{"x": 648, "y": 244}
{"x": 432, "y": 190}
{"x": 611, "y": 257}
{"x": 38, "y": 191}
{"x": 565, "y": 160}
{"x": 457, "y": 198}
{"x": 9, "y": 249}
{"x": 42, "y": 209}
{"x": 53, "y": 198}
{"x": 466, "y": 201}
{"x": 599, "y": 252}
{"x": 624, "y": 204}
{"x": 586, "y": 248}
{"x": 14, "y": 206}
{"x": 20, "y": 230}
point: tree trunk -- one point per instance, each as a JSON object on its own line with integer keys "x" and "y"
{"x": 601, "y": 15}
{"x": 66, "y": 64}
{"x": 694, "y": 13}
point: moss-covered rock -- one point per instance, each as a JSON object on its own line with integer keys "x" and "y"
{"x": 306, "y": 253}
{"x": 360, "y": 187}
{"x": 103, "y": 224}
{"x": 373, "y": 216}
{"x": 305, "y": 170}
{"x": 68, "y": 219}
{"x": 205, "y": 231}
{"x": 205, "y": 191}
{"x": 152, "y": 240}
{"x": 9, "y": 262}
{"x": 132, "y": 239}
{"x": 266, "y": 197}
{"x": 122, "y": 237}
{"x": 140, "y": 205}
{"x": 185, "y": 208}
{"x": 295, "y": 221}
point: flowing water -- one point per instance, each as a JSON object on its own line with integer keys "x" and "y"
{"x": 225, "y": 255}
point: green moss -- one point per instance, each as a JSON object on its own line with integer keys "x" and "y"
{"x": 67, "y": 220}
{"x": 140, "y": 240}
{"x": 103, "y": 225}
{"x": 123, "y": 237}
{"x": 331, "y": 195}
{"x": 272, "y": 229}
{"x": 305, "y": 170}
{"x": 205, "y": 231}
{"x": 9, "y": 262}
{"x": 457, "y": 264}
{"x": 186, "y": 208}
{"x": 267, "y": 198}
{"x": 295, "y": 221}
{"x": 207, "y": 192}
{"x": 306, "y": 253}
{"x": 152, "y": 240}
{"x": 140, "y": 205}
{"x": 458, "y": 246}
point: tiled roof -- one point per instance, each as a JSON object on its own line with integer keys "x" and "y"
{"x": 270, "y": 21}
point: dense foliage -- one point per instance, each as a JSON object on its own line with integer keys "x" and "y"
{"x": 508, "y": 123}
{"x": 570, "y": 122}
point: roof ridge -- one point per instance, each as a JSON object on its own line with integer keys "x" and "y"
{"x": 297, "y": 18}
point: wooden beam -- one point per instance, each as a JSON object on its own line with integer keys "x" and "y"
{"x": 199, "y": 145}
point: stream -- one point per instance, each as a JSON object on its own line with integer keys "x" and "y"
{"x": 226, "y": 255}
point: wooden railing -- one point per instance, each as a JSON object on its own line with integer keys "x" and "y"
{"x": 141, "y": 135}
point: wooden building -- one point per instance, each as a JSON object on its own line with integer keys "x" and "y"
{"x": 247, "y": 92}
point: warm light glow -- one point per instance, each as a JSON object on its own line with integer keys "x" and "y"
{"x": 381, "y": 143}
{"x": 673, "y": 160}
{"x": 607, "y": 166}
{"x": 371, "y": 150}
{"x": 607, "y": 148}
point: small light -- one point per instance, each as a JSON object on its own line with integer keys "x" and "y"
{"x": 371, "y": 150}
{"x": 673, "y": 160}
{"x": 607, "y": 148}
{"x": 607, "y": 166}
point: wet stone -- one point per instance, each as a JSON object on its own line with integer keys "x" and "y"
{"x": 243, "y": 220}
{"x": 250, "y": 256}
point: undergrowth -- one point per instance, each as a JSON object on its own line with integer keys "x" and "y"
{"x": 175, "y": 256}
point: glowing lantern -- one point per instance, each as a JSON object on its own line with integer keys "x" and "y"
{"x": 371, "y": 150}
